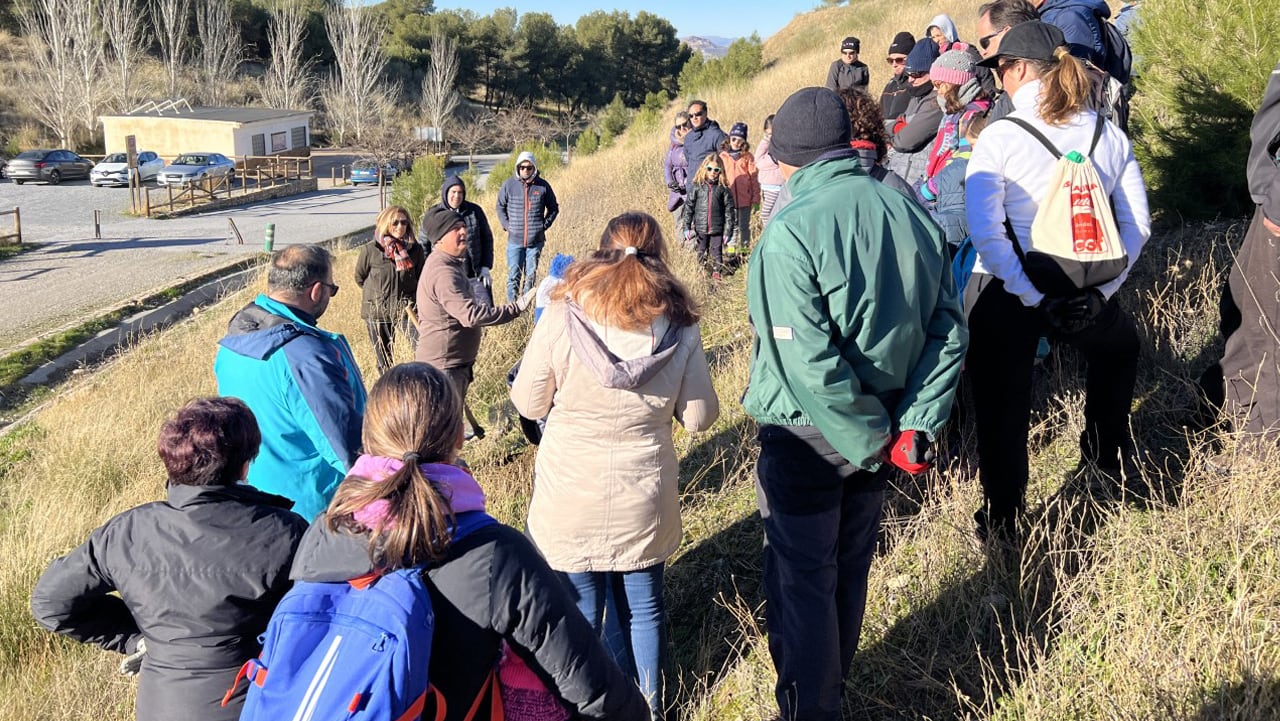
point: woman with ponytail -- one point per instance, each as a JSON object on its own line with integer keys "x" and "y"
{"x": 616, "y": 356}
{"x": 408, "y": 502}
{"x": 1007, "y": 180}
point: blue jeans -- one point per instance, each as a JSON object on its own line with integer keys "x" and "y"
{"x": 521, "y": 261}
{"x": 641, "y": 613}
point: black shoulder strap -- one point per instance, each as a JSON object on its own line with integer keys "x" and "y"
{"x": 1035, "y": 133}
{"x": 1097, "y": 132}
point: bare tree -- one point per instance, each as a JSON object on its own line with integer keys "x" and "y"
{"x": 287, "y": 83}
{"x": 220, "y": 49}
{"x": 84, "y": 27}
{"x": 517, "y": 125}
{"x": 439, "y": 99}
{"x": 473, "y": 135}
{"x": 564, "y": 126}
{"x": 170, "y": 18}
{"x": 50, "y": 76}
{"x": 122, "y": 22}
{"x": 355, "y": 95}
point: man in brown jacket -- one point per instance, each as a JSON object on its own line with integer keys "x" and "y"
{"x": 449, "y": 316}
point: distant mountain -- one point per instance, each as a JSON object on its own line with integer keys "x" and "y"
{"x": 709, "y": 46}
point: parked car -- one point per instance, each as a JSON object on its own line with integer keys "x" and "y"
{"x": 4, "y": 165}
{"x": 191, "y": 167}
{"x": 114, "y": 169}
{"x": 51, "y": 166}
{"x": 366, "y": 171}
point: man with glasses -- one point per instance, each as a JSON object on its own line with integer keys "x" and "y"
{"x": 911, "y": 134}
{"x": 301, "y": 382}
{"x": 847, "y": 72}
{"x": 994, "y": 20}
{"x": 893, "y": 101}
{"x": 703, "y": 138}
{"x": 527, "y": 207}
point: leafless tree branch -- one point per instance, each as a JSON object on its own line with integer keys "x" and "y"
{"x": 220, "y": 49}
{"x": 288, "y": 83}
{"x": 439, "y": 99}
{"x": 124, "y": 24}
{"x": 170, "y": 17}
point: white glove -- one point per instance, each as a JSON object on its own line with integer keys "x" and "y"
{"x": 132, "y": 663}
{"x": 524, "y": 301}
{"x": 486, "y": 278}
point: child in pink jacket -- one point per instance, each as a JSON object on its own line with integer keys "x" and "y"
{"x": 742, "y": 177}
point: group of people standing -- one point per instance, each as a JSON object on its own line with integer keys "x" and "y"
{"x": 861, "y": 332}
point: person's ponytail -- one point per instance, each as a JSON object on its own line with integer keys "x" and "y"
{"x": 1065, "y": 88}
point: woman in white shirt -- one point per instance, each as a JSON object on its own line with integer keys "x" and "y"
{"x": 1007, "y": 179}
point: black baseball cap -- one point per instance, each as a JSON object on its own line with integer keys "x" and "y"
{"x": 1033, "y": 40}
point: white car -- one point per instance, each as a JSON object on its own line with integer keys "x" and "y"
{"x": 114, "y": 169}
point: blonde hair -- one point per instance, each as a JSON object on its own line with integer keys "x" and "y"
{"x": 701, "y": 175}
{"x": 415, "y": 415}
{"x": 1065, "y": 87}
{"x": 624, "y": 289}
{"x": 382, "y": 226}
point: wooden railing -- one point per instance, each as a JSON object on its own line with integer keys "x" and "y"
{"x": 250, "y": 175}
{"x": 16, "y": 235}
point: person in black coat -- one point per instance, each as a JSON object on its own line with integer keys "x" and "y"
{"x": 479, "y": 259}
{"x": 401, "y": 506}
{"x": 387, "y": 271}
{"x": 198, "y": 574}
{"x": 847, "y": 72}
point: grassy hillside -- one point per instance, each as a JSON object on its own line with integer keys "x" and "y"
{"x": 1156, "y": 601}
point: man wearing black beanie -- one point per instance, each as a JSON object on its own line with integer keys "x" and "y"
{"x": 893, "y": 101}
{"x": 847, "y": 71}
{"x": 859, "y": 343}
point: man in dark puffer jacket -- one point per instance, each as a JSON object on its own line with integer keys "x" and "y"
{"x": 479, "y": 259}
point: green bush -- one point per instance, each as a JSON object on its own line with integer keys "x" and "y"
{"x": 615, "y": 117}
{"x": 588, "y": 142}
{"x": 1203, "y": 67}
{"x": 743, "y": 61}
{"x": 650, "y": 115}
{"x": 419, "y": 188}
{"x": 546, "y": 157}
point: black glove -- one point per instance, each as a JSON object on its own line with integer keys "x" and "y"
{"x": 675, "y": 186}
{"x": 1073, "y": 313}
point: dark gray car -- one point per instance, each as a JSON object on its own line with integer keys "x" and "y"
{"x": 51, "y": 166}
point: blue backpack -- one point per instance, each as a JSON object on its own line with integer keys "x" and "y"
{"x": 354, "y": 650}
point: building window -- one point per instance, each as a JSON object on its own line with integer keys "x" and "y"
{"x": 300, "y": 136}
{"x": 279, "y": 141}
{"x": 259, "y": 144}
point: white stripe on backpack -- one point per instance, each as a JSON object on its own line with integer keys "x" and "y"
{"x": 312, "y": 697}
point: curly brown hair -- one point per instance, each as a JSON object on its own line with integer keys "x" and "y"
{"x": 865, "y": 117}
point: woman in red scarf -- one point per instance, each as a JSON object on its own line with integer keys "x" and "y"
{"x": 387, "y": 272}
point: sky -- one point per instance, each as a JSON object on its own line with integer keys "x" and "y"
{"x": 691, "y": 17}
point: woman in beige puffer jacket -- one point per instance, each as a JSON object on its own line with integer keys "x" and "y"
{"x": 614, "y": 358}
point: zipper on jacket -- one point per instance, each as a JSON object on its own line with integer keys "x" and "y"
{"x": 526, "y": 213}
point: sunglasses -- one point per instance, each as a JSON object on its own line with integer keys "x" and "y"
{"x": 711, "y": 169}
{"x": 702, "y": 114}
{"x": 333, "y": 288}
{"x": 984, "y": 42}
{"x": 684, "y": 126}
{"x": 917, "y": 75}
{"x": 524, "y": 167}
{"x": 896, "y": 61}
{"x": 399, "y": 222}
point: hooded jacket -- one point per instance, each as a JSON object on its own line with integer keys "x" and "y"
{"x": 870, "y": 162}
{"x": 858, "y": 329}
{"x": 741, "y": 175}
{"x": 606, "y": 494}
{"x": 709, "y": 210}
{"x": 1264, "y": 151}
{"x": 385, "y": 291}
{"x": 675, "y": 171}
{"x": 770, "y": 173}
{"x": 449, "y": 317}
{"x": 947, "y": 26}
{"x": 198, "y": 576}
{"x": 304, "y": 387}
{"x": 526, "y": 209}
{"x": 492, "y": 586}
{"x": 479, "y": 236}
{"x": 1079, "y": 22}
{"x": 701, "y": 142}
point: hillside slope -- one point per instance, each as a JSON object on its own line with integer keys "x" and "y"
{"x": 1159, "y": 600}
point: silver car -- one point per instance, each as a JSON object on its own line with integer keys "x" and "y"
{"x": 192, "y": 167}
{"x": 114, "y": 169}
{"x": 51, "y": 166}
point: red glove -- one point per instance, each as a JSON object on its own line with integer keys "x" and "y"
{"x": 912, "y": 451}
{"x": 899, "y": 124}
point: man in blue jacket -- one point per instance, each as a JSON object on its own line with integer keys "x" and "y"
{"x": 526, "y": 209}
{"x": 1081, "y": 24}
{"x": 302, "y": 383}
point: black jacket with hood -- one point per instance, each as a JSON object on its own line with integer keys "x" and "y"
{"x": 198, "y": 575}
{"x": 479, "y": 236}
{"x": 492, "y": 586}
{"x": 709, "y": 210}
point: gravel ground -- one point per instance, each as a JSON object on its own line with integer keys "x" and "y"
{"x": 74, "y": 275}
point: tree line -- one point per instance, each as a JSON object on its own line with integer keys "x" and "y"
{"x": 361, "y": 65}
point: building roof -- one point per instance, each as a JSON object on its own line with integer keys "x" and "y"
{"x": 222, "y": 115}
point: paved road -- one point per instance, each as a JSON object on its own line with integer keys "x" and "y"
{"x": 74, "y": 275}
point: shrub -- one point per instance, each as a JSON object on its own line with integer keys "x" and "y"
{"x": 615, "y": 117}
{"x": 546, "y": 157}
{"x": 650, "y": 115}
{"x": 588, "y": 142}
{"x": 1197, "y": 92}
{"x": 418, "y": 189}
{"x": 743, "y": 61}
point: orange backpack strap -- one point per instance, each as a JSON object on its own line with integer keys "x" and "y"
{"x": 414, "y": 712}
{"x": 490, "y": 687}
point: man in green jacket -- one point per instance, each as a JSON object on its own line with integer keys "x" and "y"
{"x": 859, "y": 340}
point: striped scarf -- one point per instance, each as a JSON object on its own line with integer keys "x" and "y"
{"x": 395, "y": 249}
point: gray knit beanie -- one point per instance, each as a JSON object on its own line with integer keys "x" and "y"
{"x": 811, "y": 122}
{"x": 953, "y": 66}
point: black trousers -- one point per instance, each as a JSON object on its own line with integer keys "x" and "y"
{"x": 1250, "y": 365}
{"x": 821, "y": 517}
{"x": 382, "y": 334}
{"x": 1003, "y": 334}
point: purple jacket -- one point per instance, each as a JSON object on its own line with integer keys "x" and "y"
{"x": 675, "y": 169}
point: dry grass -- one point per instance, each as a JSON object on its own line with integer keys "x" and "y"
{"x": 1156, "y": 601}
